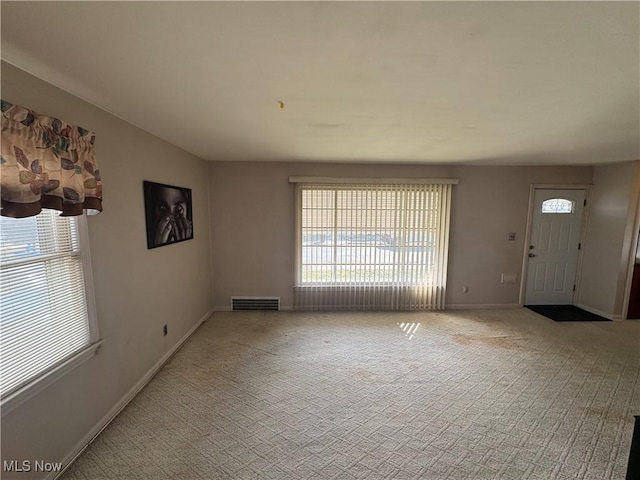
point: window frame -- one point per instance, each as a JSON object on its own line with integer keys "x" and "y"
{"x": 50, "y": 375}
{"x": 564, "y": 201}
{"x": 299, "y": 182}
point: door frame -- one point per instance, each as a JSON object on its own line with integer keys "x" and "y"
{"x": 527, "y": 236}
{"x": 635, "y": 239}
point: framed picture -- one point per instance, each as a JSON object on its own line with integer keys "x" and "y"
{"x": 169, "y": 214}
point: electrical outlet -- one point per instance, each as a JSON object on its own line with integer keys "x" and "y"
{"x": 165, "y": 330}
{"x": 512, "y": 236}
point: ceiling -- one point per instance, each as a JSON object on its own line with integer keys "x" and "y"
{"x": 409, "y": 82}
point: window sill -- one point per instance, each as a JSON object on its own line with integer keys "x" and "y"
{"x": 20, "y": 396}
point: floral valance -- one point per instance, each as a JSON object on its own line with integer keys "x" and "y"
{"x": 46, "y": 163}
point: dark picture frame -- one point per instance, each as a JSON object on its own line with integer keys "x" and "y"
{"x": 169, "y": 214}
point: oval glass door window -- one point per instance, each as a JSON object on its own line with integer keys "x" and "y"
{"x": 557, "y": 205}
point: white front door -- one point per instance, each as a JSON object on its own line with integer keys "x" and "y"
{"x": 554, "y": 245}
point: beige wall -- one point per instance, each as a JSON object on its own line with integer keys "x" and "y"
{"x": 252, "y": 224}
{"x": 137, "y": 290}
{"x": 609, "y": 236}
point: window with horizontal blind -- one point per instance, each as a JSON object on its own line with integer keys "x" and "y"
{"x": 372, "y": 245}
{"x": 46, "y": 314}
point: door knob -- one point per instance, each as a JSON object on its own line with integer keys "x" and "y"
{"x": 531, "y": 255}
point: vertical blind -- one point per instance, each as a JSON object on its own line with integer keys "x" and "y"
{"x": 43, "y": 310}
{"x": 381, "y": 246}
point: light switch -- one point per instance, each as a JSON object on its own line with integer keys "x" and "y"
{"x": 509, "y": 278}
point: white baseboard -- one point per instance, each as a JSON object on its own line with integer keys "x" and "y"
{"x": 227, "y": 308}
{"x": 80, "y": 447}
{"x": 480, "y": 306}
{"x": 595, "y": 311}
{"x": 454, "y": 306}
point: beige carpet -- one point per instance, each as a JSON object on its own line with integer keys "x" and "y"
{"x": 500, "y": 394}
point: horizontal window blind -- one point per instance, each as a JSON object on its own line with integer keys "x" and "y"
{"x": 43, "y": 306}
{"x": 372, "y": 246}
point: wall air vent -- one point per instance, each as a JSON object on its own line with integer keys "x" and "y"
{"x": 255, "y": 303}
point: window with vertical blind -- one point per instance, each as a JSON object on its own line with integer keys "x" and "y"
{"x": 46, "y": 314}
{"x": 371, "y": 244}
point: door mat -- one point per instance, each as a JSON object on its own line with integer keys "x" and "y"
{"x": 566, "y": 313}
